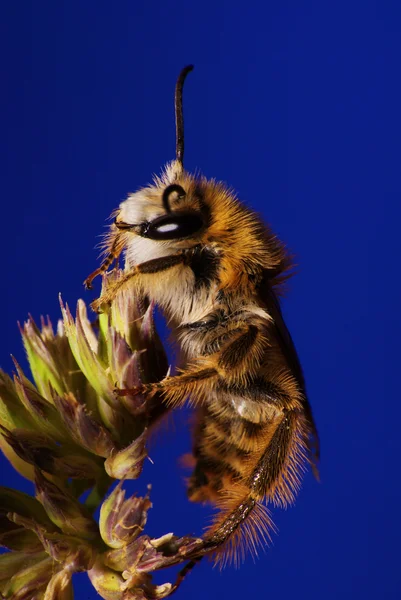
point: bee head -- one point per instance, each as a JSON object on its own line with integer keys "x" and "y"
{"x": 166, "y": 211}
{"x": 162, "y": 213}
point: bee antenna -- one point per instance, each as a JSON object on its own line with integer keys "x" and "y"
{"x": 179, "y": 117}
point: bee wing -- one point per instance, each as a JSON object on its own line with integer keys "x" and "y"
{"x": 269, "y": 299}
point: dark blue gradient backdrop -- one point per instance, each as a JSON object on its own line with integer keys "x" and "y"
{"x": 296, "y": 105}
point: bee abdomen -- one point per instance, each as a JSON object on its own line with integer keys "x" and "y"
{"x": 211, "y": 474}
{"x": 226, "y": 452}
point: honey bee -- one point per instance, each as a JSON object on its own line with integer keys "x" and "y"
{"x": 217, "y": 272}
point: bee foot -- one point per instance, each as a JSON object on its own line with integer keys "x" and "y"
{"x": 135, "y": 391}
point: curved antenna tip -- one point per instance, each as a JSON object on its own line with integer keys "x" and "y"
{"x": 186, "y": 70}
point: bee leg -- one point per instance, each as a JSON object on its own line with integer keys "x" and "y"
{"x": 149, "y": 267}
{"x": 178, "y": 386}
{"x": 184, "y": 572}
{"x": 228, "y": 528}
{"x": 239, "y": 352}
{"x": 114, "y": 253}
{"x": 228, "y": 534}
{"x": 234, "y": 358}
{"x": 275, "y": 477}
{"x": 144, "y": 389}
{"x": 230, "y": 524}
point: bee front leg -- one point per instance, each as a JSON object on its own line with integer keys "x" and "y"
{"x": 149, "y": 267}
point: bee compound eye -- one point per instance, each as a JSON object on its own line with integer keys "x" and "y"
{"x": 174, "y": 226}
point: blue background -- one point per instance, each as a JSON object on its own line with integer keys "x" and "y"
{"x": 297, "y": 106}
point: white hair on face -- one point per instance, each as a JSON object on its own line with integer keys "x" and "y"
{"x": 140, "y": 249}
{"x": 139, "y": 207}
{"x": 145, "y": 206}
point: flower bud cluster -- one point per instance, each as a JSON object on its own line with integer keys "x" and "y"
{"x": 72, "y": 436}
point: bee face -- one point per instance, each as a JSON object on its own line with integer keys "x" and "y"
{"x": 161, "y": 219}
{"x": 160, "y": 222}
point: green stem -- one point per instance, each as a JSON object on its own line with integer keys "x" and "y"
{"x": 96, "y": 496}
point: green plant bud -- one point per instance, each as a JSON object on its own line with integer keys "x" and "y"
{"x": 80, "y": 554}
{"x": 154, "y": 361}
{"x": 109, "y": 515}
{"x": 17, "y": 538}
{"x": 44, "y": 414}
{"x": 126, "y": 558}
{"x": 64, "y": 510}
{"x": 119, "y": 355}
{"x": 84, "y": 346}
{"x": 12, "y": 535}
{"x": 132, "y": 519}
{"x": 32, "y": 447}
{"x": 27, "y": 506}
{"x": 145, "y": 555}
{"x": 44, "y": 362}
{"x": 60, "y": 586}
{"x": 121, "y": 521}
{"x": 127, "y": 463}
{"x": 124, "y": 367}
{"x": 28, "y": 581}
{"x": 135, "y": 405}
{"x": 22, "y": 467}
{"x": 66, "y": 549}
{"x": 12, "y": 562}
{"x": 13, "y": 414}
{"x": 110, "y": 584}
{"x": 150, "y": 591}
{"x": 83, "y": 428}
{"x": 125, "y": 314}
{"x": 41, "y": 451}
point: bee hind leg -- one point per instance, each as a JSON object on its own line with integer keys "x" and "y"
{"x": 184, "y": 572}
{"x": 243, "y": 522}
